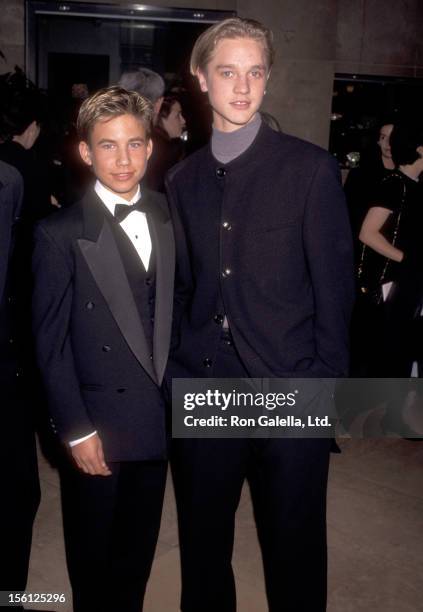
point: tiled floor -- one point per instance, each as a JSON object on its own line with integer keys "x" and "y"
{"x": 375, "y": 532}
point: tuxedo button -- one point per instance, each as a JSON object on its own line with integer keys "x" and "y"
{"x": 89, "y": 305}
{"x": 220, "y": 172}
{"x": 207, "y": 363}
{"x": 226, "y": 272}
{"x": 148, "y": 281}
{"x": 106, "y": 348}
{"x": 151, "y": 356}
{"x": 227, "y": 226}
{"x": 218, "y": 319}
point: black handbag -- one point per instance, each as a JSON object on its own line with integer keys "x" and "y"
{"x": 371, "y": 289}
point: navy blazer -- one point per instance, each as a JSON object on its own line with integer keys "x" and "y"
{"x": 92, "y": 350}
{"x": 264, "y": 239}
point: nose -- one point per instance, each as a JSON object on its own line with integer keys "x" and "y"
{"x": 123, "y": 157}
{"x": 242, "y": 84}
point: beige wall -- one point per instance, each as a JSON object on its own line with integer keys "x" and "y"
{"x": 380, "y": 37}
{"x": 314, "y": 39}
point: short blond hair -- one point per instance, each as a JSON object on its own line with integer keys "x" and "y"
{"x": 234, "y": 27}
{"x": 113, "y": 102}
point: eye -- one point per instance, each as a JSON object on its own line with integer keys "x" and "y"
{"x": 227, "y": 74}
{"x": 107, "y": 146}
{"x": 136, "y": 145}
{"x": 257, "y": 74}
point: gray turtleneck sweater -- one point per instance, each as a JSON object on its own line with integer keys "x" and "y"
{"x": 227, "y": 146}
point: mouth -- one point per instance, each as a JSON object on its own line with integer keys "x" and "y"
{"x": 241, "y": 104}
{"x": 123, "y": 176}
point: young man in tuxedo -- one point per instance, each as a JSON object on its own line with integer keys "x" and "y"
{"x": 264, "y": 289}
{"x": 102, "y": 316}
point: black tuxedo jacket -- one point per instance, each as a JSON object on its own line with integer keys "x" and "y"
{"x": 265, "y": 240}
{"x": 92, "y": 350}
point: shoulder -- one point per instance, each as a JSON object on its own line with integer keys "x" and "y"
{"x": 11, "y": 188}
{"x": 390, "y": 191}
{"x": 295, "y": 150}
{"x": 63, "y": 225}
{"x": 158, "y": 201}
{"x": 188, "y": 165}
{"x": 9, "y": 175}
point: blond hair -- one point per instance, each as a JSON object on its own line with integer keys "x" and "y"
{"x": 234, "y": 27}
{"x": 113, "y": 102}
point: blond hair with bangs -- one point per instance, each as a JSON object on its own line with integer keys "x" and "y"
{"x": 230, "y": 28}
{"x": 112, "y": 102}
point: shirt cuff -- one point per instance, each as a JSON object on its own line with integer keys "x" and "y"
{"x": 79, "y": 440}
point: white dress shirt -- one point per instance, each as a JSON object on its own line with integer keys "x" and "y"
{"x": 135, "y": 227}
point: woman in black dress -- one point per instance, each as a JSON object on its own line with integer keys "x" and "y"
{"x": 391, "y": 274}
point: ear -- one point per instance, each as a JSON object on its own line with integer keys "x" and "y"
{"x": 157, "y": 106}
{"x": 149, "y": 148}
{"x": 202, "y": 79}
{"x": 85, "y": 153}
{"x": 420, "y": 150}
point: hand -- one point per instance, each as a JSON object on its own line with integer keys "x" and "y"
{"x": 54, "y": 201}
{"x": 89, "y": 457}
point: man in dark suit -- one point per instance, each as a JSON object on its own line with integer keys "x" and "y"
{"x": 19, "y": 474}
{"x": 102, "y": 314}
{"x": 264, "y": 289}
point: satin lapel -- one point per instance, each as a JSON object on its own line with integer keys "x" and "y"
{"x": 165, "y": 266}
{"x": 103, "y": 259}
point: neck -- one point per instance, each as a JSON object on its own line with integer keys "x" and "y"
{"x": 227, "y": 146}
{"x": 388, "y": 164}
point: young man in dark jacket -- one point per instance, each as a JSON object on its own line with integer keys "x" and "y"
{"x": 102, "y": 317}
{"x": 264, "y": 289}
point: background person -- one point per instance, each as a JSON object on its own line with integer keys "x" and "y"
{"x": 363, "y": 183}
{"x": 19, "y": 472}
{"x": 392, "y": 266}
{"x": 148, "y": 84}
{"x": 168, "y": 147}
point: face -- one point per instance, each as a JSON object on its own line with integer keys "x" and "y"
{"x": 419, "y": 161}
{"x": 383, "y": 142}
{"x": 235, "y": 79}
{"x": 174, "y": 123}
{"x": 118, "y": 151}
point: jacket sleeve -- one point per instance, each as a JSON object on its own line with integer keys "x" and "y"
{"x": 329, "y": 253}
{"x": 183, "y": 273}
{"x": 52, "y": 303}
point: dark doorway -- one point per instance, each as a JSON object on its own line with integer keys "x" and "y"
{"x": 66, "y": 69}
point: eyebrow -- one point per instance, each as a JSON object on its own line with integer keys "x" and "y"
{"x": 260, "y": 66}
{"x": 110, "y": 140}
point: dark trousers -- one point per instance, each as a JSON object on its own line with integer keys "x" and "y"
{"x": 288, "y": 479}
{"x": 111, "y": 527}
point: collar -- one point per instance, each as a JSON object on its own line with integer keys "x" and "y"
{"x": 110, "y": 199}
{"x": 227, "y": 146}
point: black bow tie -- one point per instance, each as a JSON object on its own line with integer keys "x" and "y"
{"x": 123, "y": 210}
